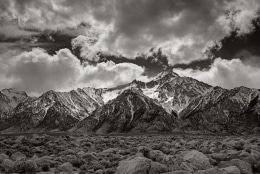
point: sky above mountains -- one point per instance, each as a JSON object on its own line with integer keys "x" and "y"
{"x": 66, "y": 44}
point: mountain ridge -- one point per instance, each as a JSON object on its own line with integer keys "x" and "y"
{"x": 192, "y": 104}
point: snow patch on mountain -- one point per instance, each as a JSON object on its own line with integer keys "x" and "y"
{"x": 151, "y": 92}
{"x": 110, "y": 95}
{"x": 131, "y": 109}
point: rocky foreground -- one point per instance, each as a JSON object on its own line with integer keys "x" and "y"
{"x": 139, "y": 154}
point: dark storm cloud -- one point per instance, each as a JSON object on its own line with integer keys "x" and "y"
{"x": 140, "y": 25}
{"x": 245, "y": 47}
{"x": 50, "y": 40}
{"x": 182, "y": 28}
{"x": 131, "y": 26}
{"x": 38, "y": 24}
{"x": 51, "y": 43}
{"x": 154, "y": 63}
{"x": 153, "y": 15}
{"x": 196, "y": 64}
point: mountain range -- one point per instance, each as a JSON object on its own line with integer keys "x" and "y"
{"x": 166, "y": 103}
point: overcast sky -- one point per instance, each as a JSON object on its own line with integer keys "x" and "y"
{"x": 66, "y": 44}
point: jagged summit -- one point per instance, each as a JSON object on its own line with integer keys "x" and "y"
{"x": 167, "y": 73}
{"x": 172, "y": 91}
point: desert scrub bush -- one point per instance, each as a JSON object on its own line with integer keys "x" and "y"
{"x": 7, "y": 165}
{"x": 28, "y": 167}
{"x": 77, "y": 162}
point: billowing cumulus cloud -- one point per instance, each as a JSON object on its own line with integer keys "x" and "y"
{"x": 183, "y": 30}
{"x": 87, "y": 47}
{"x": 240, "y": 16}
{"x": 226, "y": 73}
{"x": 37, "y": 72}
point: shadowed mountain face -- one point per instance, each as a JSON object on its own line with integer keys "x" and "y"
{"x": 166, "y": 103}
{"x": 235, "y": 110}
{"x": 130, "y": 111}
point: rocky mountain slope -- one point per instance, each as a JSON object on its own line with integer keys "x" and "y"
{"x": 234, "y": 110}
{"x": 9, "y": 99}
{"x": 186, "y": 103}
{"x": 54, "y": 110}
{"x": 168, "y": 88}
{"x": 130, "y": 111}
{"x": 174, "y": 92}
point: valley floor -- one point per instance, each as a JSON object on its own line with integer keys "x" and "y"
{"x": 131, "y": 154}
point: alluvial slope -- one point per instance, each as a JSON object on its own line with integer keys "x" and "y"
{"x": 55, "y": 110}
{"x": 9, "y": 99}
{"x": 130, "y": 111}
{"x": 219, "y": 110}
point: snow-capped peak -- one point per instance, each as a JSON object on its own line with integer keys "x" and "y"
{"x": 167, "y": 72}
